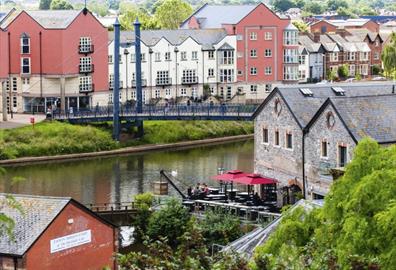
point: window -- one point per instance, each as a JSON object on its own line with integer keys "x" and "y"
{"x": 212, "y": 90}
{"x": 133, "y": 58}
{"x": 268, "y": 70}
{"x": 268, "y": 88}
{"x": 194, "y": 55}
{"x": 290, "y": 56}
{"x": 253, "y": 71}
{"x": 364, "y": 69}
{"x": 301, "y": 59}
{"x": 229, "y": 92}
{"x": 211, "y": 55}
{"x": 253, "y": 88}
{"x": 334, "y": 57}
{"x": 290, "y": 37}
{"x": 86, "y": 84}
{"x": 194, "y": 93}
{"x": 289, "y": 140}
{"x": 183, "y": 56}
{"x": 157, "y": 56}
{"x": 323, "y": 152}
{"x": 110, "y": 59}
{"x": 111, "y": 81}
{"x": 25, "y": 65}
{"x": 253, "y": 36}
{"x": 25, "y": 44}
{"x": 210, "y": 72}
{"x": 268, "y": 53}
{"x": 268, "y": 36}
{"x": 253, "y": 53}
{"x": 301, "y": 74}
{"x": 14, "y": 84}
{"x": 85, "y": 45}
{"x": 163, "y": 77}
{"x": 265, "y": 135}
{"x": 167, "y": 92}
{"x": 376, "y": 56}
{"x": 351, "y": 56}
{"x": 240, "y": 72}
{"x": 120, "y": 58}
{"x": 111, "y": 98}
{"x": 167, "y": 56}
{"x": 183, "y": 92}
{"x": 276, "y": 138}
{"x": 377, "y": 43}
{"x": 290, "y": 73}
{"x": 189, "y": 76}
{"x": 342, "y": 156}
{"x": 239, "y": 37}
{"x": 133, "y": 94}
{"x": 352, "y": 70}
{"x": 226, "y": 57}
{"x": 25, "y": 81}
{"x": 143, "y": 56}
{"x": 226, "y": 75}
{"x": 239, "y": 54}
{"x": 157, "y": 93}
{"x": 364, "y": 56}
{"x": 85, "y": 64}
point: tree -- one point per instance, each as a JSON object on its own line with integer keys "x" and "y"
{"x": 132, "y": 12}
{"x": 341, "y": 11}
{"x": 301, "y": 26}
{"x": 314, "y": 7}
{"x": 98, "y": 8}
{"x": 388, "y": 57}
{"x": 282, "y": 5}
{"x": 45, "y": 4}
{"x": 60, "y": 4}
{"x": 171, "y": 13}
{"x": 333, "y": 5}
{"x": 343, "y": 71}
{"x": 331, "y": 74}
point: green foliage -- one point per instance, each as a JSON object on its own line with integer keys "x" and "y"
{"x": 144, "y": 200}
{"x": 129, "y": 12}
{"x": 231, "y": 261}
{"x": 143, "y": 203}
{"x": 60, "y": 4}
{"x": 343, "y": 71}
{"x": 171, "y": 13}
{"x": 314, "y": 7}
{"x": 169, "y": 222}
{"x": 301, "y": 26}
{"x": 7, "y": 224}
{"x": 282, "y": 5}
{"x": 388, "y": 57}
{"x": 336, "y": 4}
{"x": 53, "y": 138}
{"x": 45, "y": 4}
{"x": 355, "y": 228}
{"x": 220, "y": 228}
{"x": 376, "y": 69}
{"x": 331, "y": 75}
{"x": 98, "y": 7}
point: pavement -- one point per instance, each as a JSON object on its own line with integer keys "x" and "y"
{"x": 19, "y": 120}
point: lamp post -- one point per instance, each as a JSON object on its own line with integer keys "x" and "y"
{"x": 176, "y": 50}
{"x": 151, "y": 74}
{"x": 126, "y": 52}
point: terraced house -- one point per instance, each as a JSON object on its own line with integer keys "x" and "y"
{"x": 301, "y": 132}
{"x": 52, "y": 59}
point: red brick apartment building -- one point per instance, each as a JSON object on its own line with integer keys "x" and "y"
{"x": 52, "y": 58}
{"x": 56, "y": 233}
{"x": 267, "y": 43}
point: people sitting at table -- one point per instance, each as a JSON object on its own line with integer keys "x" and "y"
{"x": 205, "y": 189}
{"x": 256, "y": 199}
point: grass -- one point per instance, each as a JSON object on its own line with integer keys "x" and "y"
{"x": 55, "y": 138}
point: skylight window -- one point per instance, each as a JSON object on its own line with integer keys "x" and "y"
{"x": 338, "y": 91}
{"x": 306, "y": 92}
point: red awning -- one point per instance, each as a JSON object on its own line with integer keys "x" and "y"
{"x": 229, "y": 176}
{"x": 254, "y": 179}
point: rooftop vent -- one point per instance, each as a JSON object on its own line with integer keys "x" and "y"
{"x": 306, "y": 92}
{"x": 338, "y": 91}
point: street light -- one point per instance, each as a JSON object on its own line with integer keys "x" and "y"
{"x": 126, "y": 52}
{"x": 176, "y": 50}
{"x": 151, "y": 75}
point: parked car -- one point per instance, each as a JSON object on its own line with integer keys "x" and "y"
{"x": 379, "y": 78}
{"x": 322, "y": 82}
{"x": 349, "y": 80}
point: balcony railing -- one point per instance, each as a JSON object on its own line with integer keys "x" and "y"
{"x": 163, "y": 81}
{"x": 86, "y": 88}
{"x": 144, "y": 83}
{"x": 86, "y": 68}
{"x": 85, "y": 49}
{"x": 190, "y": 80}
{"x": 111, "y": 85}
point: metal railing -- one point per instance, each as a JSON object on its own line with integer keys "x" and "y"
{"x": 163, "y": 81}
{"x": 85, "y": 49}
{"x": 86, "y": 88}
{"x": 86, "y": 68}
{"x": 109, "y": 207}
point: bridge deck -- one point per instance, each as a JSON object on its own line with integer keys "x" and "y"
{"x": 171, "y": 112}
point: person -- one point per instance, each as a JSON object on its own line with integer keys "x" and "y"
{"x": 189, "y": 191}
{"x": 256, "y": 199}
{"x": 205, "y": 189}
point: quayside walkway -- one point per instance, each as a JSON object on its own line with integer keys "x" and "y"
{"x": 162, "y": 112}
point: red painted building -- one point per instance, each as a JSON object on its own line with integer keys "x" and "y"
{"x": 56, "y": 58}
{"x": 56, "y": 233}
{"x": 267, "y": 44}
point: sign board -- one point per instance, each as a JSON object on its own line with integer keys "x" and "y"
{"x": 69, "y": 241}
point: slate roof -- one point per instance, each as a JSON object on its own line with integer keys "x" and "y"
{"x": 54, "y": 19}
{"x": 38, "y": 213}
{"x": 304, "y": 108}
{"x": 361, "y": 34}
{"x": 349, "y": 46}
{"x": 206, "y": 37}
{"x": 373, "y": 116}
{"x": 309, "y": 44}
{"x": 213, "y": 16}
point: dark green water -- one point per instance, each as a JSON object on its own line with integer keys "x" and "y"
{"x": 117, "y": 179}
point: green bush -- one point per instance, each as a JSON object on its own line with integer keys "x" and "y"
{"x": 343, "y": 71}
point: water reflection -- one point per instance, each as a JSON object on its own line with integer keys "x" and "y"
{"x": 117, "y": 179}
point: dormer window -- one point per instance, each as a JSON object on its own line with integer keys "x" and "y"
{"x": 25, "y": 44}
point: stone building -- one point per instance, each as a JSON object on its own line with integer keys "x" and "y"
{"x": 295, "y": 128}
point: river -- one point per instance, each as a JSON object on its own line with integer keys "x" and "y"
{"x": 117, "y": 179}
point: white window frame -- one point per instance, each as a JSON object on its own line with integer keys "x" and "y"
{"x": 86, "y": 64}
{"x": 211, "y": 72}
{"x": 24, "y": 65}
{"x": 268, "y": 36}
{"x": 183, "y": 92}
{"x": 226, "y": 75}
{"x": 85, "y": 84}
{"x": 85, "y": 44}
{"x": 268, "y": 53}
{"x": 253, "y": 35}
{"x": 253, "y": 71}
{"x": 253, "y": 53}
{"x": 268, "y": 70}
{"x": 189, "y": 76}
{"x": 194, "y": 55}
{"x": 24, "y": 45}
{"x": 253, "y": 88}
{"x": 211, "y": 55}
{"x": 168, "y": 56}
{"x": 157, "y": 57}
{"x": 162, "y": 77}
{"x": 183, "y": 56}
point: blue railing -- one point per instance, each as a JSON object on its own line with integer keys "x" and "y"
{"x": 162, "y": 111}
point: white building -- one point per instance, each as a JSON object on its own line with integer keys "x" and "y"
{"x": 175, "y": 64}
{"x": 316, "y": 55}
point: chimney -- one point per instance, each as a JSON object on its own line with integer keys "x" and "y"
{"x": 316, "y": 37}
{"x": 341, "y": 31}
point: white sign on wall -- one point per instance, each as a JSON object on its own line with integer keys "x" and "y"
{"x": 69, "y": 241}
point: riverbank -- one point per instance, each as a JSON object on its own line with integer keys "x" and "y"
{"x": 53, "y": 139}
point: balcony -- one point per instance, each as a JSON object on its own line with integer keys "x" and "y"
{"x": 189, "y": 80}
{"x": 144, "y": 83}
{"x": 86, "y": 88}
{"x": 111, "y": 85}
{"x": 163, "y": 81}
{"x": 86, "y": 68}
{"x": 85, "y": 49}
